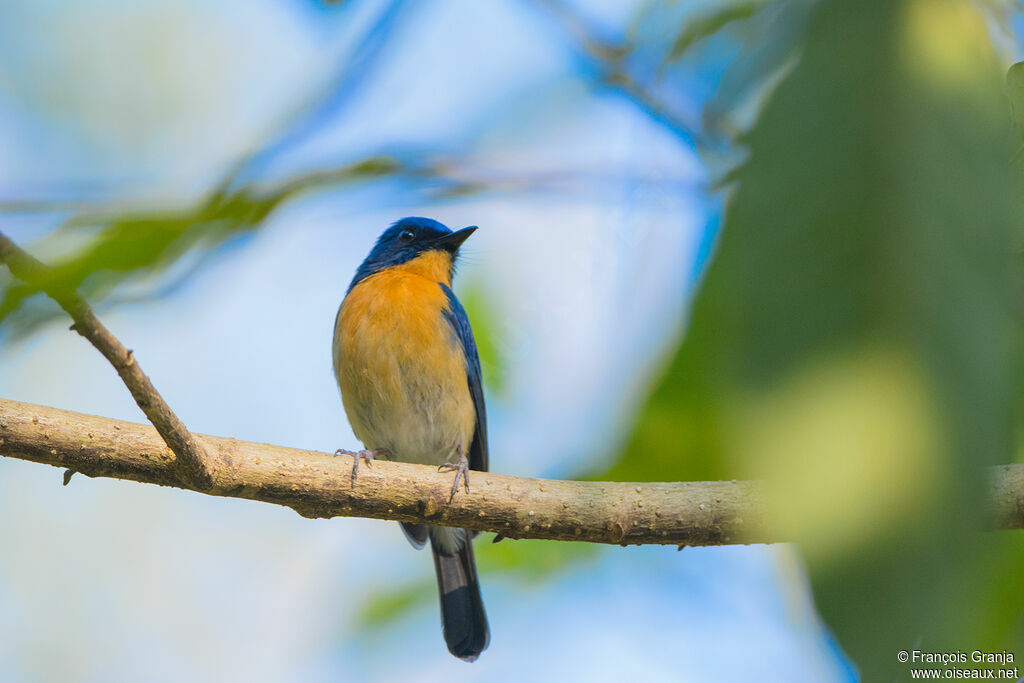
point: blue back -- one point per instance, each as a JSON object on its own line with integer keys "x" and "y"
{"x": 457, "y": 318}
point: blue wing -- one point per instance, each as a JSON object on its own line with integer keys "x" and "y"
{"x": 456, "y": 316}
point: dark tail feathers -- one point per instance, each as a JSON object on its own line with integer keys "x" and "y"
{"x": 462, "y": 610}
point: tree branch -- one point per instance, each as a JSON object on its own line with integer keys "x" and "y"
{"x": 318, "y": 485}
{"x": 191, "y": 458}
{"x": 315, "y": 485}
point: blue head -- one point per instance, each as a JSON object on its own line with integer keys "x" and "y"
{"x": 410, "y": 239}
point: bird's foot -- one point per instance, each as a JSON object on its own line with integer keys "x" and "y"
{"x": 366, "y": 455}
{"x": 461, "y": 469}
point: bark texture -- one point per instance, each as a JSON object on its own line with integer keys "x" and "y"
{"x": 191, "y": 459}
{"x": 319, "y": 485}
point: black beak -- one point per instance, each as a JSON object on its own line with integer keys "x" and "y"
{"x": 452, "y": 242}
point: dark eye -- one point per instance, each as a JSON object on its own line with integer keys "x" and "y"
{"x": 406, "y": 236}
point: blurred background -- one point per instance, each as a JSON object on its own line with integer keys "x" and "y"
{"x": 719, "y": 239}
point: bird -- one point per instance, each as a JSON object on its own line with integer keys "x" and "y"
{"x": 409, "y": 373}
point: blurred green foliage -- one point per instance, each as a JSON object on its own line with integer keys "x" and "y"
{"x": 487, "y": 333}
{"x": 853, "y": 342}
{"x": 526, "y": 562}
{"x": 384, "y": 607}
{"x": 856, "y": 339}
{"x": 122, "y": 248}
{"x": 710, "y": 22}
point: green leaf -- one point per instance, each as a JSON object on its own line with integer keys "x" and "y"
{"x": 532, "y": 561}
{"x": 1015, "y": 93}
{"x": 384, "y": 607}
{"x": 852, "y": 343}
{"x": 131, "y": 246}
{"x": 486, "y": 332}
{"x": 697, "y": 28}
{"x": 527, "y": 562}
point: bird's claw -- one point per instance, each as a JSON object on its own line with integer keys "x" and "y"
{"x": 461, "y": 469}
{"x": 366, "y": 455}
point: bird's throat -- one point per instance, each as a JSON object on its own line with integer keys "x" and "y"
{"x": 434, "y": 265}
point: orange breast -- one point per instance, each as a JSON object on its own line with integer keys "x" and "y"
{"x": 400, "y": 367}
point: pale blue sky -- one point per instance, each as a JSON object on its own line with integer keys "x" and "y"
{"x": 150, "y": 102}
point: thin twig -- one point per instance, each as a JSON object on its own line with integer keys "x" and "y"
{"x": 191, "y": 458}
{"x": 609, "y": 59}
